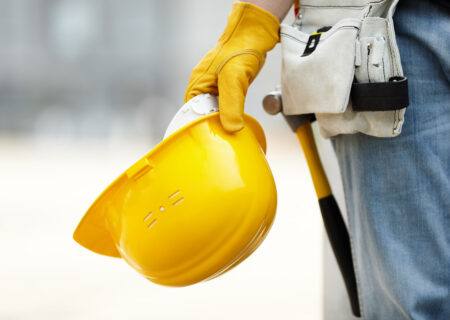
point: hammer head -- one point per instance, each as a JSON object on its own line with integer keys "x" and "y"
{"x": 273, "y": 104}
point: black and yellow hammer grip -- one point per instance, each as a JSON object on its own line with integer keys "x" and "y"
{"x": 332, "y": 218}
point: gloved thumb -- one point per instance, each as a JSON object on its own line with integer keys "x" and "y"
{"x": 233, "y": 82}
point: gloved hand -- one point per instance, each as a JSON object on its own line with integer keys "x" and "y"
{"x": 229, "y": 68}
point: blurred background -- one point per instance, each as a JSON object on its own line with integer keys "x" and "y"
{"x": 86, "y": 88}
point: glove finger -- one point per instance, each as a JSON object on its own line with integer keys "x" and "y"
{"x": 202, "y": 80}
{"x": 206, "y": 83}
{"x": 234, "y": 80}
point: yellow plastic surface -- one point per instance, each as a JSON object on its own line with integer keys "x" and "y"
{"x": 192, "y": 208}
{"x": 320, "y": 180}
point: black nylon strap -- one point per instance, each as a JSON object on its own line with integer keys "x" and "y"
{"x": 380, "y": 96}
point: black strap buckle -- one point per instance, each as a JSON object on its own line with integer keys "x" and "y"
{"x": 313, "y": 41}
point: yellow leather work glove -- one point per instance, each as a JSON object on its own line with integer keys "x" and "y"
{"x": 229, "y": 68}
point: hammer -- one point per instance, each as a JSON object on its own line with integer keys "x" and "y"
{"x": 331, "y": 214}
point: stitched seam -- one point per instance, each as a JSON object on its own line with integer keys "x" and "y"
{"x": 394, "y": 70}
{"x": 397, "y": 120}
{"x": 391, "y": 53}
{"x": 367, "y": 65}
{"x": 395, "y": 117}
{"x": 323, "y": 40}
{"x": 394, "y": 67}
{"x": 236, "y": 54}
{"x": 338, "y": 7}
{"x": 347, "y": 96}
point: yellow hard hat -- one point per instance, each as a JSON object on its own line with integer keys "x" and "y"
{"x": 192, "y": 208}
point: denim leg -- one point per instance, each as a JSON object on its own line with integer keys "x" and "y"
{"x": 398, "y": 189}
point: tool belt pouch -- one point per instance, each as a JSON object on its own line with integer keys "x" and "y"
{"x": 318, "y": 68}
{"x": 341, "y": 62}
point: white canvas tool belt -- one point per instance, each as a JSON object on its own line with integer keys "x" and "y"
{"x": 341, "y": 62}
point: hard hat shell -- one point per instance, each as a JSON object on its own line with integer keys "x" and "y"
{"x": 192, "y": 208}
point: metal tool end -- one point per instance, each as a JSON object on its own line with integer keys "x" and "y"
{"x": 272, "y": 102}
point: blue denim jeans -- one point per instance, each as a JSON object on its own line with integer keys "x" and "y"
{"x": 398, "y": 189}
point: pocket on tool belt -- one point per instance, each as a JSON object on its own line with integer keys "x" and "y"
{"x": 374, "y": 60}
{"x": 379, "y": 81}
{"x": 318, "y": 68}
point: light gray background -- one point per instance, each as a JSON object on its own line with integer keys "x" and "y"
{"x": 86, "y": 87}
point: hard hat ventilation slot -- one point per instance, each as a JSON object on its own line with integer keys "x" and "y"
{"x": 139, "y": 169}
{"x": 148, "y": 216}
{"x": 151, "y": 224}
{"x": 178, "y": 201}
{"x": 174, "y": 194}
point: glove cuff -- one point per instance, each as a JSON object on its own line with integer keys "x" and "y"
{"x": 258, "y": 26}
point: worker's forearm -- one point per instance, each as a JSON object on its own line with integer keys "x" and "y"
{"x": 278, "y": 8}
